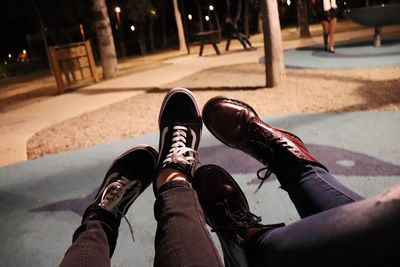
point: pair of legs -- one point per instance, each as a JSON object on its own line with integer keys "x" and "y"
{"x": 182, "y": 238}
{"x": 329, "y": 28}
{"x": 338, "y": 227}
{"x": 336, "y": 222}
{"x": 242, "y": 39}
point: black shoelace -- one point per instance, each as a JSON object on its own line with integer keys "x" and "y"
{"x": 265, "y": 145}
{"x": 241, "y": 218}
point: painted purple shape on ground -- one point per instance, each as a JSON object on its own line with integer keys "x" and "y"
{"x": 339, "y": 162}
{"x": 77, "y": 205}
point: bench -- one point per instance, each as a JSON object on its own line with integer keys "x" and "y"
{"x": 208, "y": 37}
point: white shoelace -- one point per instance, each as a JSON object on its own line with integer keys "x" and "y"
{"x": 178, "y": 152}
{"x": 113, "y": 194}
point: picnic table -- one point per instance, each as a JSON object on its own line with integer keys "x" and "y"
{"x": 208, "y": 37}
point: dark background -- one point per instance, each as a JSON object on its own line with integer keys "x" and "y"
{"x": 19, "y": 21}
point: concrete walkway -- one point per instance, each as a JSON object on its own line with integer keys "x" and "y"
{"x": 18, "y": 125}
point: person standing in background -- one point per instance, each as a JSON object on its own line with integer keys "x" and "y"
{"x": 327, "y": 13}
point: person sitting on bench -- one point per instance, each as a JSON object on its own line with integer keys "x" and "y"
{"x": 231, "y": 32}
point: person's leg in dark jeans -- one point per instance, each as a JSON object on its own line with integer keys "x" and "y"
{"x": 238, "y": 37}
{"x": 182, "y": 238}
{"x": 314, "y": 190}
{"x": 95, "y": 239}
{"x": 338, "y": 228}
{"x": 246, "y": 40}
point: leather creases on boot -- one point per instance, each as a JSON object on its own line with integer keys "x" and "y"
{"x": 227, "y": 212}
{"x": 237, "y": 125}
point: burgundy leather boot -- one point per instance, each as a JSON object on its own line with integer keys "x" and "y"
{"x": 227, "y": 212}
{"x": 237, "y": 125}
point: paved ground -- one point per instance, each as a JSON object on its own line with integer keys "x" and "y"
{"x": 349, "y": 54}
{"x": 18, "y": 125}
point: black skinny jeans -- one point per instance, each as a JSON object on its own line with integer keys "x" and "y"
{"x": 182, "y": 238}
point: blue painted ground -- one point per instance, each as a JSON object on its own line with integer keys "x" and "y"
{"x": 41, "y": 201}
{"x": 355, "y": 54}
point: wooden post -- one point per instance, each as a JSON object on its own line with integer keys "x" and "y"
{"x": 56, "y": 69}
{"x": 92, "y": 63}
{"x": 274, "y": 66}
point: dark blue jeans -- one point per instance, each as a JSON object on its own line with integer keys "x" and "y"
{"x": 338, "y": 227}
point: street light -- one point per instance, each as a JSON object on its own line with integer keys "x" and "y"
{"x": 117, "y": 11}
{"x": 190, "y": 17}
{"x": 211, "y": 7}
{"x": 133, "y": 28}
{"x": 120, "y": 30}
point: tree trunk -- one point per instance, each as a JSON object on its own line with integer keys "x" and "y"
{"x": 246, "y": 18}
{"x": 179, "y": 26}
{"x": 228, "y": 8}
{"x": 302, "y": 18}
{"x": 274, "y": 67}
{"x": 238, "y": 13}
{"x": 141, "y": 39}
{"x": 151, "y": 35}
{"x": 43, "y": 33}
{"x": 105, "y": 38}
{"x": 260, "y": 21}
{"x": 163, "y": 24}
{"x": 200, "y": 15}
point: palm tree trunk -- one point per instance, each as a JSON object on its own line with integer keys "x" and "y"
{"x": 200, "y": 15}
{"x": 163, "y": 24}
{"x": 141, "y": 39}
{"x": 179, "y": 26}
{"x": 238, "y": 13}
{"x": 151, "y": 34}
{"x": 105, "y": 38}
{"x": 42, "y": 32}
{"x": 260, "y": 21}
{"x": 246, "y": 18}
{"x": 302, "y": 18}
{"x": 228, "y": 8}
{"x": 274, "y": 67}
